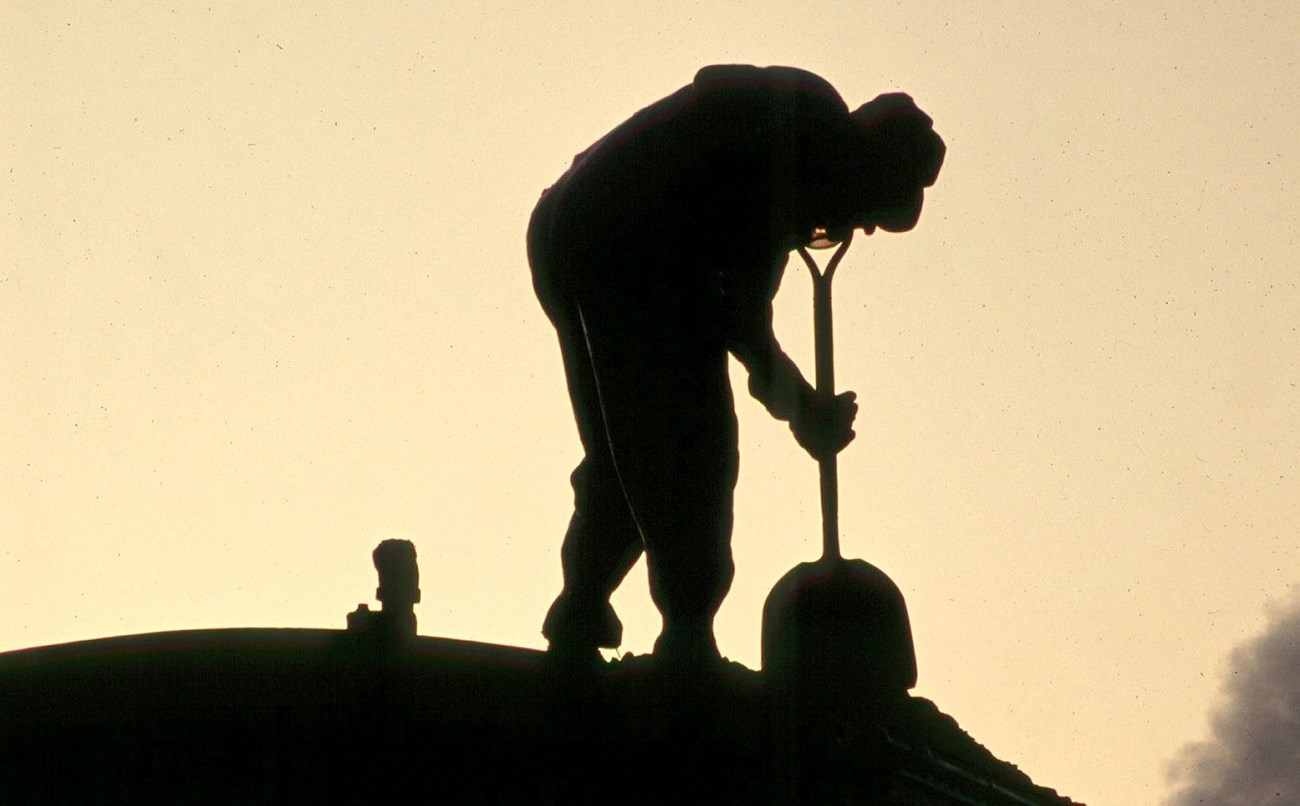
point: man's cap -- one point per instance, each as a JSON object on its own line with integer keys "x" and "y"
{"x": 900, "y": 155}
{"x": 896, "y": 134}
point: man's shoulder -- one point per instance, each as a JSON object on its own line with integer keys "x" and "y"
{"x": 774, "y": 80}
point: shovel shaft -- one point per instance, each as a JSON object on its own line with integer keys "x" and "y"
{"x": 828, "y": 468}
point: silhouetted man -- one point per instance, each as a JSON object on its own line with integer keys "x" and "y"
{"x": 655, "y": 255}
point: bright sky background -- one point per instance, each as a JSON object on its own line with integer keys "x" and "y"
{"x": 264, "y": 302}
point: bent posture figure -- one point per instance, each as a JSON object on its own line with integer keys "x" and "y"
{"x": 655, "y": 255}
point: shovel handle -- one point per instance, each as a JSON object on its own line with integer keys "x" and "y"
{"x": 823, "y": 338}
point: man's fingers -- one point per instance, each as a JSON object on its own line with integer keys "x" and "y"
{"x": 847, "y": 405}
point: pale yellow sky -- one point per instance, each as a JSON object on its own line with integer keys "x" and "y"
{"x": 264, "y": 303}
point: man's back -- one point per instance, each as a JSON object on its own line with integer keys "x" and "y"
{"x": 738, "y": 155}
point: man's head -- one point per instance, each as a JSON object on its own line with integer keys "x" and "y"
{"x": 900, "y": 155}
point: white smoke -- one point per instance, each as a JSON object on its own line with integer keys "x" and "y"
{"x": 1253, "y": 756}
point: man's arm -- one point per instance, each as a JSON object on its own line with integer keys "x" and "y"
{"x": 823, "y": 426}
{"x": 781, "y": 142}
{"x": 774, "y": 380}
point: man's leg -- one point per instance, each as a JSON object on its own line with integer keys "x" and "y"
{"x": 661, "y": 370}
{"x": 688, "y": 520}
{"x": 602, "y": 542}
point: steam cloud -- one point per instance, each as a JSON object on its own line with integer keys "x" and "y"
{"x": 1254, "y": 755}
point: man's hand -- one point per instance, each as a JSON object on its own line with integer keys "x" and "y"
{"x": 825, "y": 426}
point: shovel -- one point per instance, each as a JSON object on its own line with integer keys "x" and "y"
{"x": 836, "y": 627}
